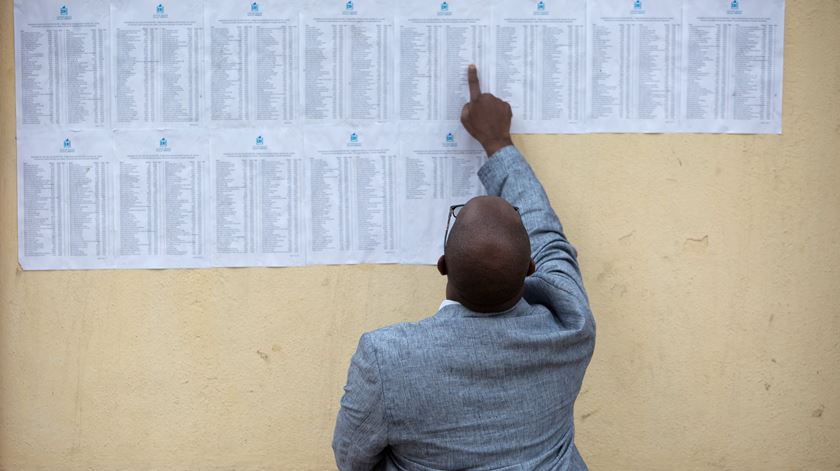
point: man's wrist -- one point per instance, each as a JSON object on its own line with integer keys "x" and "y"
{"x": 496, "y": 145}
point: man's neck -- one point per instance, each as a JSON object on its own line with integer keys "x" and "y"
{"x": 453, "y": 295}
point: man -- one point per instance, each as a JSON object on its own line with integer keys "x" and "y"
{"x": 490, "y": 381}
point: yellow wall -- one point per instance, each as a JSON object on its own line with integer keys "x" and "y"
{"x": 712, "y": 262}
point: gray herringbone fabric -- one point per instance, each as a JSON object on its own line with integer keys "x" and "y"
{"x": 462, "y": 390}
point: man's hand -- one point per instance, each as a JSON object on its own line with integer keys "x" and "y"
{"x": 486, "y": 117}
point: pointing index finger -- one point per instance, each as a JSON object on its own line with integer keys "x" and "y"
{"x": 472, "y": 79}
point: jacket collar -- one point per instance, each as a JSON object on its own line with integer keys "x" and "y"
{"x": 451, "y": 309}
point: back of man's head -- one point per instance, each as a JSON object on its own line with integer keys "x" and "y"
{"x": 488, "y": 255}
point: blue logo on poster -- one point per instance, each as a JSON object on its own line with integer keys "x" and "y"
{"x": 444, "y": 6}
{"x": 450, "y": 137}
{"x": 66, "y": 146}
{"x": 637, "y": 5}
{"x": 159, "y": 9}
{"x": 163, "y": 142}
{"x": 541, "y": 6}
{"x": 255, "y": 7}
{"x": 348, "y": 5}
{"x": 354, "y": 137}
{"x": 260, "y": 140}
{"x": 63, "y": 10}
{"x": 734, "y": 5}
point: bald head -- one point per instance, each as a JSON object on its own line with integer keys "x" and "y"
{"x": 487, "y": 255}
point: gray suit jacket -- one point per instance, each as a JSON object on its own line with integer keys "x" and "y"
{"x": 463, "y": 390}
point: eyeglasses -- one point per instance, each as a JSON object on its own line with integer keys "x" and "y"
{"x": 454, "y": 211}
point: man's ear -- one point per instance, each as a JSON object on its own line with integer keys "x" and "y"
{"x": 442, "y": 265}
{"x": 532, "y": 267}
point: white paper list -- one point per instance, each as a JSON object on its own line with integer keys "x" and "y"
{"x": 353, "y": 212}
{"x": 541, "y": 63}
{"x": 438, "y": 169}
{"x": 257, "y": 217}
{"x": 634, "y": 65}
{"x": 159, "y": 134}
{"x": 734, "y": 66}
{"x": 347, "y": 60}
{"x": 252, "y": 50}
{"x": 162, "y": 197}
{"x": 62, "y": 63}
{"x": 158, "y": 62}
{"x": 65, "y": 200}
{"x": 437, "y": 41}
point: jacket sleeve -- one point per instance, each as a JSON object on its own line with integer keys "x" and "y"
{"x": 509, "y": 176}
{"x": 361, "y": 434}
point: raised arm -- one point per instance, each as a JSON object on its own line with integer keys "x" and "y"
{"x": 508, "y": 175}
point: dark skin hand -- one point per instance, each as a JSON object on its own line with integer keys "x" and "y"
{"x": 486, "y": 117}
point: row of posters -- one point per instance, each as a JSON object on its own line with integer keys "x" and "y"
{"x": 566, "y": 66}
{"x": 241, "y": 196}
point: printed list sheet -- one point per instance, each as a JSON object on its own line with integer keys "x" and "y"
{"x": 188, "y": 134}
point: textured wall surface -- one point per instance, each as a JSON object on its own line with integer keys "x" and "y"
{"x": 712, "y": 262}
